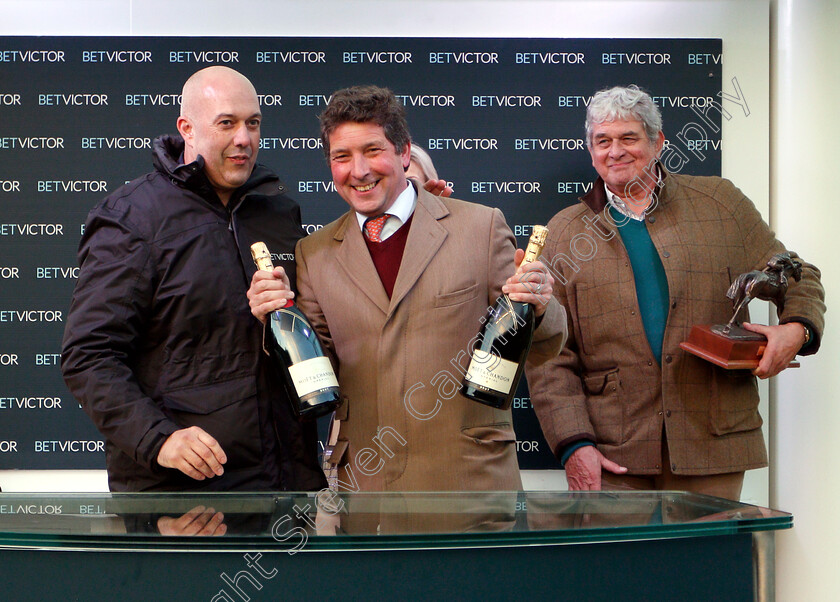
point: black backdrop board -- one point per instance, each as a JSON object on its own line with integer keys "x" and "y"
{"x": 502, "y": 120}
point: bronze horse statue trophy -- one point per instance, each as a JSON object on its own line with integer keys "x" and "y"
{"x": 729, "y": 345}
{"x": 769, "y": 284}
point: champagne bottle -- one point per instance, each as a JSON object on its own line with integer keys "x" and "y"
{"x": 498, "y": 359}
{"x": 307, "y": 374}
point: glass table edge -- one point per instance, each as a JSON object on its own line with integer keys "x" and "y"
{"x": 153, "y": 543}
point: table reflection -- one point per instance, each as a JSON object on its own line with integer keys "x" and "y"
{"x": 330, "y": 518}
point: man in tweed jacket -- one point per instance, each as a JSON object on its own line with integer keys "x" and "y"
{"x": 645, "y": 256}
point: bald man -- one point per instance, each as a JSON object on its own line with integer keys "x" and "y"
{"x": 160, "y": 347}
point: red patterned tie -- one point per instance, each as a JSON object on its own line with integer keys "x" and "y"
{"x": 373, "y": 227}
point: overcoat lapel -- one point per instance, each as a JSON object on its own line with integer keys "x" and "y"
{"x": 424, "y": 239}
{"x": 354, "y": 258}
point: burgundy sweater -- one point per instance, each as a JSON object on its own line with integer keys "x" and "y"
{"x": 387, "y": 255}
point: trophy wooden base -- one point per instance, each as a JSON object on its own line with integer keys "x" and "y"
{"x": 732, "y": 353}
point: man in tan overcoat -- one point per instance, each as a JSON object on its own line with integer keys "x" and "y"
{"x": 396, "y": 302}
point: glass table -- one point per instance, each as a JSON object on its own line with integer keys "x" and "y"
{"x": 489, "y": 545}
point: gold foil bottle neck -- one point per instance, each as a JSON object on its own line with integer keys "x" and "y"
{"x": 261, "y": 256}
{"x": 535, "y": 244}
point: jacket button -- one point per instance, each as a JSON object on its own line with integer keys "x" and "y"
{"x": 652, "y": 219}
{"x": 665, "y": 254}
{"x": 668, "y": 359}
{"x": 632, "y": 312}
{"x": 673, "y": 304}
{"x": 673, "y": 466}
{"x": 657, "y": 467}
{"x": 668, "y": 413}
{"x": 659, "y": 412}
{"x": 650, "y": 363}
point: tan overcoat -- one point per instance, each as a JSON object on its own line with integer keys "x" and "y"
{"x": 400, "y": 361}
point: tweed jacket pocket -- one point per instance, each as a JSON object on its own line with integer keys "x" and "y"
{"x": 603, "y": 403}
{"x": 731, "y": 410}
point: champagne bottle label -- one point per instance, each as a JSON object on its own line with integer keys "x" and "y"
{"x": 491, "y": 371}
{"x": 312, "y": 375}
{"x": 508, "y": 329}
{"x": 306, "y": 373}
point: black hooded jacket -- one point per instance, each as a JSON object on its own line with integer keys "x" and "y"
{"x": 160, "y": 337}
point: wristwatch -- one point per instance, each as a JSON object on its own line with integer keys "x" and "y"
{"x": 807, "y": 334}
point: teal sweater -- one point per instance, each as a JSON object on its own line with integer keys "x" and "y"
{"x": 649, "y": 275}
{"x": 651, "y": 292}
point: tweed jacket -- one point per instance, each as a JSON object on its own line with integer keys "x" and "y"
{"x": 400, "y": 361}
{"x": 606, "y": 386}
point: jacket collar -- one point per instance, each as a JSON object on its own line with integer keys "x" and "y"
{"x": 596, "y": 198}
{"x": 425, "y": 237}
{"x": 429, "y": 202}
{"x": 167, "y": 157}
